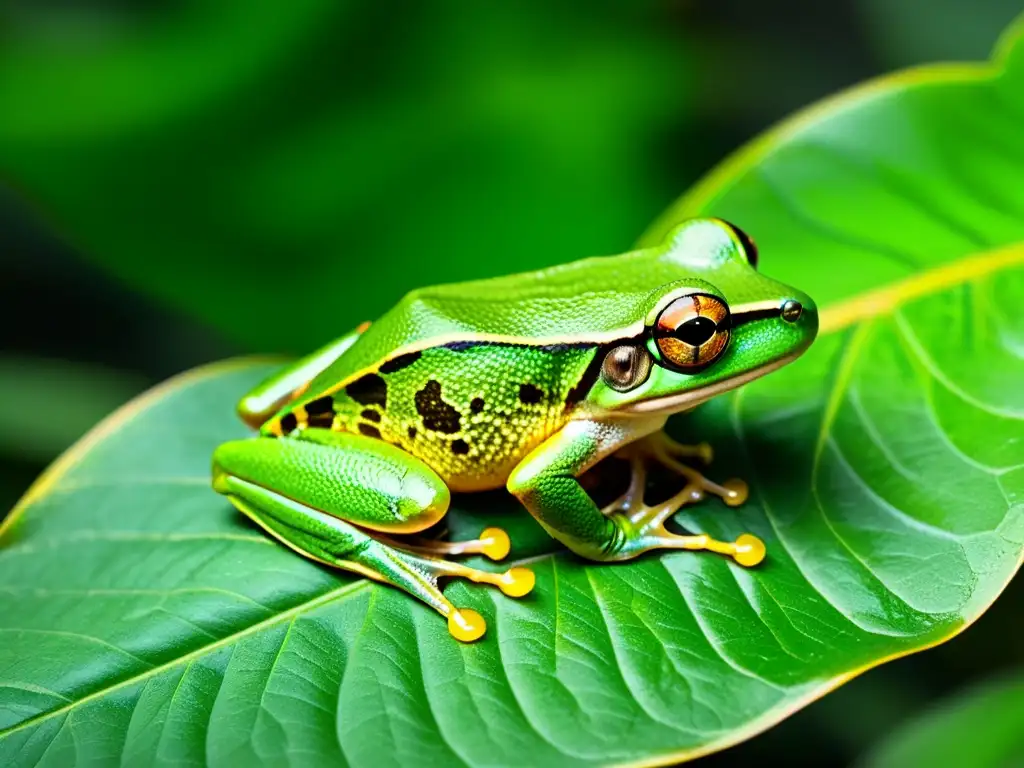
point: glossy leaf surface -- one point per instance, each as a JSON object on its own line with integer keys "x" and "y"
{"x": 146, "y": 623}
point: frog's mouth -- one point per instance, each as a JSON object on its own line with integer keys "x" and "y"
{"x": 684, "y": 401}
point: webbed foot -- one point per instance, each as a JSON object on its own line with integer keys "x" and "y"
{"x": 648, "y": 521}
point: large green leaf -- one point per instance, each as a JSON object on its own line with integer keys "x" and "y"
{"x": 256, "y": 161}
{"x": 981, "y": 727}
{"x": 146, "y": 623}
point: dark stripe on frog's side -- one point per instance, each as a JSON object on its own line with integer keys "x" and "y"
{"x": 320, "y": 406}
{"x": 400, "y": 362}
{"x": 579, "y": 392}
{"x": 437, "y": 415}
{"x": 462, "y": 346}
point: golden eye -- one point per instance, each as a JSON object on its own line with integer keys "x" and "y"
{"x": 626, "y": 367}
{"x": 693, "y": 331}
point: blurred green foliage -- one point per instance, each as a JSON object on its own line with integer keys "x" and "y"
{"x": 30, "y": 386}
{"x": 285, "y": 171}
{"x": 981, "y": 726}
{"x": 908, "y": 32}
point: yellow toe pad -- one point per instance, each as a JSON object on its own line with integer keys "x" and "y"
{"x": 496, "y": 544}
{"x": 517, "y": 582}
{"x": 749, "y": 550}
{"x": 466, "y": 625}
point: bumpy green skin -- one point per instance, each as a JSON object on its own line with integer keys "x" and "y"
{"x": 477, "y": 385}
{"x": 470, "y": 413}
{"x": 363, "y": 480}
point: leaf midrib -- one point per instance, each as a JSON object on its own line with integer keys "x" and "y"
{"x": 835, "y": 318}
{"x": 340, "y": 593}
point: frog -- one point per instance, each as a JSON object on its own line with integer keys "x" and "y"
{"x": 522, "y": 382}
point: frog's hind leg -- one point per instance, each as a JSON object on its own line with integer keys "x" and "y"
{"x": 337, "y": 498}
{"x": 270, "y": 395}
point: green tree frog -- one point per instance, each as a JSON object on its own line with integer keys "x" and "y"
{"x": 524, "y": 382}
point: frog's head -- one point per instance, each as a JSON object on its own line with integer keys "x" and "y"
{"x": 718, "y": 326}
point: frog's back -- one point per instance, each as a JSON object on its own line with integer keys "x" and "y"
{"x": 591, "y": 300}
{"x": 471, "y": 376}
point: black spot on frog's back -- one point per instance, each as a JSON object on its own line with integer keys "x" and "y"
{"x": 437, "y": 415}
{"x": 530, "y": 394}
{"x": 370, "y": 389}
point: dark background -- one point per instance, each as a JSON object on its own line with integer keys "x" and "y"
{"x": 588, "y": 150}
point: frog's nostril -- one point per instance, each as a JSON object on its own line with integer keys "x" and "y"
{"x": 792, "y": 310}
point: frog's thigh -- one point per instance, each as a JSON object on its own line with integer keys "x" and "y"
{"x": 360, "y": 479}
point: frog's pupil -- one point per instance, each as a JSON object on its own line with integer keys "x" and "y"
{"x": 696, "y": 330}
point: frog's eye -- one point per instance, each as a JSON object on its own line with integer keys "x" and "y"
{"x": 693, "y": 331}
{"x": 626, "y": 367}
{"x": 749, "y": 246}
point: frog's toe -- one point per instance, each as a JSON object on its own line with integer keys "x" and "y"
{"x": 748, "y": 550}
{"x": 666, "y": 452}
{"x": 493, "y": 543}
{"x": 736, "y": 492}
{"x": 466, "y": 625}
{"x": 515, "y": 582}
{"x": 702, "y": 451}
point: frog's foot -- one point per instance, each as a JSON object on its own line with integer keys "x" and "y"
{"x": 647, "y": 526}
{"x": 341, "y": 544}
{"x": 493, "y": 543}
{"x": 420, "y": 576}
{"x": 464, "y": 624}
{"x": 664, "y": 450}
{"x": 648, "y": 522}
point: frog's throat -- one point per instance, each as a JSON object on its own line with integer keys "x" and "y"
{"x": 684, "y": 401}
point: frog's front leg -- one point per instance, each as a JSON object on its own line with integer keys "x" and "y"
{"x": 546, "y": 483}
{"x": 283, "y": 386}
{"x": 334, "y": 497}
